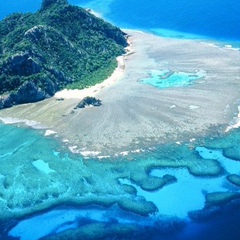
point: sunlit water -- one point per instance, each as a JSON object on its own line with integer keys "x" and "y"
{"x": 28, "y": 147}
{"x": 167, "y": 79}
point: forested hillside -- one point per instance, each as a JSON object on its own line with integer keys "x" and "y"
{"x": 59, "y": 46}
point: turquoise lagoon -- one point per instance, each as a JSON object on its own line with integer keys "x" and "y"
{"x": 168, "y": 79}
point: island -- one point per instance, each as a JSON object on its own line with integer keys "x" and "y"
{"x": 60, "y": 46}
{"x": 158, "y": 155}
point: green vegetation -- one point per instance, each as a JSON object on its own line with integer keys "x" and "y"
{"x": 58, "y": 46}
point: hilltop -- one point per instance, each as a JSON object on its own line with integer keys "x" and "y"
{"x": 59, "y": 46}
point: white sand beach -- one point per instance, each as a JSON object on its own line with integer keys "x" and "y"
{"x": 94, "y": 90}
{"x": 137, "y": 116}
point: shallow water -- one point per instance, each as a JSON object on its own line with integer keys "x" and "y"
{"x": 167, "y": 79}
{"x": 59, "y": 220}
{"x": 29, "y": 151}
{"x": 188, "y": 193}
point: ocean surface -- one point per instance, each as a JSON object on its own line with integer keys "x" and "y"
{"x": 218, "y": 20}
{"x": 26, "y": 154}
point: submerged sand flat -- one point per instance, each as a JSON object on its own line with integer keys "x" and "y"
{"x": 136, "y": 115}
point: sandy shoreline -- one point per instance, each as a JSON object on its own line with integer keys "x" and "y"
{"x": 94, "y": 90}
{"x": 135, "y": 115}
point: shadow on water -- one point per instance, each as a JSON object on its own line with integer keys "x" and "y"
{"x": 222, "y": 226}
{"x": 113, "y": 223}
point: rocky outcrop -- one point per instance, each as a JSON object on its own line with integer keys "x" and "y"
{"x": 27, "y": 93}
{"x": 21, "y": 64}
{"x": 89, "y": 101}
{"x": 5, "y": 102}
{"x": 29, "y": 65}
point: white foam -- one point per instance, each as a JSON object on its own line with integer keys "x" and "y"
{"x": 90, "y": 153}
{"x": 124, "y": 153}
{"x": 193, "y": 107}
{"x": 74, "y": 149}
{"x": 103, "y": 157}
{"x": 30, "y": 123}
{"x": 49, "y": 132}
{"x": 228, "y": 46}
{"x": 236, "y": 123}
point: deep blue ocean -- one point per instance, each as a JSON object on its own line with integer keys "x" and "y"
{"x": 211, "y": 20}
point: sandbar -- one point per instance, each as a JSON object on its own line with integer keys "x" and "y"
{"x": 139, "y": 116}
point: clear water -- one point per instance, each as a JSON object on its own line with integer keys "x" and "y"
{"x": 33, "y": 158}
{"x": 214, "y": 19}
{"x": 209, "y": 19}
{"x": 39, "y": 164}
{"x": 39, "y": 157}
{"x": 58, "y": 220}
{"x": 167, "y": 79}
{"x": 187, "y": 194}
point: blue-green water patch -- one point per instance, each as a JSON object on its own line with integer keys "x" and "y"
{"x": 36, "y": 175}
{"x": 168, "y": 33}
{"x": 168, "y": 79}
{"x": 165, "y": 199}
{"x": 58, "y": 220}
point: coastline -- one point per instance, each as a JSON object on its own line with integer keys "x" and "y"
{"x": 133, "y": 160}
{"x": 137, "y": 116}
{"x": 94, "y": 90}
